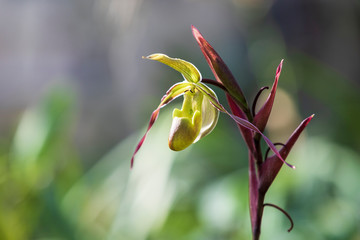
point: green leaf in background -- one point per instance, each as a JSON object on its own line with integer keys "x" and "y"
{"x": 39, "y": 168}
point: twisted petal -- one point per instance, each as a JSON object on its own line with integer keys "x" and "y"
{"x": 187, "y": 69}
{"x": 247, "y": 133}
{"x": 175, "y": 91}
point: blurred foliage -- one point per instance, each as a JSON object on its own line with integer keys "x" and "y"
{"x": 38, "y": 170}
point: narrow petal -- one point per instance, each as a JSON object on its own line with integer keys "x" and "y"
{"x": 175, "y": 91}
{"x": 242, "y": 122}
{"x": 153, "y": 118}
{"x": 272, "y": 165}
{"x": 261, "y": 118}
{"x": 187, "y": 69}
{"x": 220, "y": 69}
{"x": 246, "y": 133}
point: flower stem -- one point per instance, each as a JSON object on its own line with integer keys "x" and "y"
{"x": 259, "y": 214}
{"x": 256, "y": 197}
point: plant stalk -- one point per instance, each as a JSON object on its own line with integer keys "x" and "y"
{"x": 256, "y": 195}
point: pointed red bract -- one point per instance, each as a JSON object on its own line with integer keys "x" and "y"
{"x": 262, "y": 117}
{"x": 220, "y": 69}
{"x": 272, "y": 165}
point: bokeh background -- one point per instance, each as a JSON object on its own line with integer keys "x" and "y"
{"x": 75, "y": 97}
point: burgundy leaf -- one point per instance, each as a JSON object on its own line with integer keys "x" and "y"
{"x": 272, "y": 165}
{"x": 220, "y": 69}
{"x": 261, "y": 118}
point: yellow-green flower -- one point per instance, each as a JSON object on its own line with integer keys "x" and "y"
{"x": 198, "y": 115}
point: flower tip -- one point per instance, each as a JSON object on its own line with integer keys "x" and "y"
{"x": 132, "y": 163}
{"x": 312, "y": 116}
{"x": 151, "y": 57}
{"x": 195, "y": 32}
{"x": 278, "y": 69}
{"x": 155, "y": 56}
{"x": 289, "y": 165}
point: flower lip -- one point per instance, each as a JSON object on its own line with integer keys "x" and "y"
{"x": 184, "y": 131}
{"x": 195, "y": 120}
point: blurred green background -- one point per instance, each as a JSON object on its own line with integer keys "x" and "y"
{"x": 76, "y": 97}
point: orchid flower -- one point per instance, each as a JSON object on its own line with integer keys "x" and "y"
{"x": 197, "y": 117}
{"x": 200, "y": 110}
